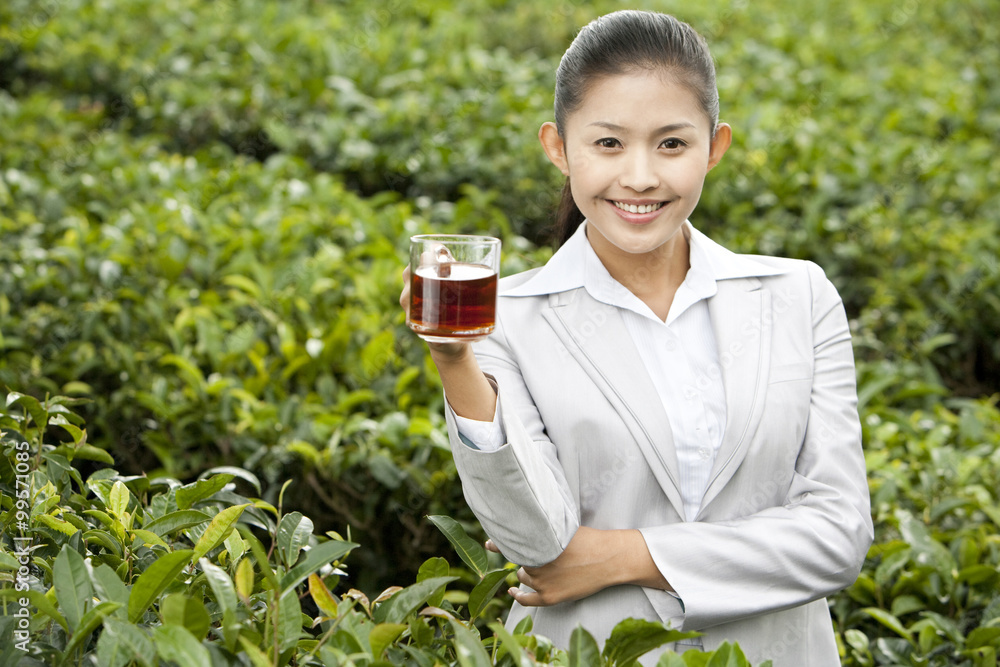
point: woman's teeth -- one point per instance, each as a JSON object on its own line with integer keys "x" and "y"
{"x": 632, "y": 208}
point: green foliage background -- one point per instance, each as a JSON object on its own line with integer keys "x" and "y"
{"x": 204, "y": 210}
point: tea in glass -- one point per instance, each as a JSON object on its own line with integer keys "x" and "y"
{"x": 453, "y": 286}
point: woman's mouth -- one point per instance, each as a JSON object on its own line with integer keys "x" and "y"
{"x": 637, "y": 214}
{"x": 638, "y": 208}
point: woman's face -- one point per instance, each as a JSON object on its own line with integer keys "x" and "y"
{"x": 636, "y": 152}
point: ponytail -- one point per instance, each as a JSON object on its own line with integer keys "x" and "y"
{"x": 568, "y": 217}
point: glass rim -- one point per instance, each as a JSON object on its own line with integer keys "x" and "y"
{"x": 467, "y": 239}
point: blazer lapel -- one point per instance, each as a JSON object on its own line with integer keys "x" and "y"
{"x": 596, "y": 336}
{"x": 741, "y": 317}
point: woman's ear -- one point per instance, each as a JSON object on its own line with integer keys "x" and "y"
{"x": 555, "y": 148}
{"x": 720, "y": 144}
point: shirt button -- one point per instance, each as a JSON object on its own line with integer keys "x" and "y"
{"x": 705, "y": 453}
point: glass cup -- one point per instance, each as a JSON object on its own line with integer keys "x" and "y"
{"x": 453, "y": 286}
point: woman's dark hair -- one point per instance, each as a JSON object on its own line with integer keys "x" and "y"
{"x": 623, "y": 42}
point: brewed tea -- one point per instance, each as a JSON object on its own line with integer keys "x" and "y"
{"x": 455, "y": 303}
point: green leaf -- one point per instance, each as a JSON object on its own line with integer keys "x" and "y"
{"x": 469, "y": 550}
{"x": 468, "y": 648}
{"x": 72, "y": 583}
{"x": 524, "y": 626}
{"x": 8, "y": 562}
{"x": 289, "y": 620}
{"x": 671, "y": 659}
{"x": 133, "y": 640}
{"x": 583, "y": 650}
{"x": 149, "y": 537}
{"x": 926, "y": 548}
{"x": 510, "y": 646}
{"x": 38, "y": 414}
{"x": 406, "y": 601}
{"x": 433, "y": 567}
{"x": 218, "y": 529}
{"x": 321, "y": 595}
{"x": 260, "y": 555}
{"x": 244, "y": 578}
{"x": 90, "y": 622}
{"x": 175, "y": 521}
{"x": 422, "y": 634}
{"x": 889, "y": 621}
{"x": 160, "y": 574}
{"x": 728, "y": 655}
{"x": 314, "y": 559}
{"x": 118, "y": 500}
{"x": 978, "y": 574}
{"x": 992, "y": 512}
{"x": 257, "y": 657}
{"x": 103, "y": 517}
{"x": 91, "y": 453}
{"x": 983, "y": 637}
{"x": 222, "y": 585}
{"x": 174, "y": 642}
{"x": 945, "y": 626}
{"x": 243, "y": 283}
{"x": 187, "y": 612}
{"x": 235, "y": 546}
{"x": 294, "y": 532}
{"x": 75, "y": 431}
{"x": 112, "y": 652}
{"x": 241, "y": 473}
{"x": 383, "y": 635}
{"x": 110, "y": 587}
{"x": 857, "y": 640}
{"x": 633, "y": 638}
{"x": 64, "y": 527}
{"x": 189, "y": 494}
{"x": 189, "y": 371}
{"x": 485, "y": 590}
{"x": 104, "y": 538}
{"x": 906, "y": 604}
{"x": 430, "y": 568}
{"x": 39, "y": 602}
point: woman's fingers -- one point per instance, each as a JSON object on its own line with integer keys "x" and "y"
{"x": 404, "y": 296}
{"x": 491, "y": 546}
{"x": 526, "y": 598}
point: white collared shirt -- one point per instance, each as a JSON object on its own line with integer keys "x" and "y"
{"x": 679, "y": 354}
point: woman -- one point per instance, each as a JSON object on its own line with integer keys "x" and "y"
{"x": 660, "y": 428}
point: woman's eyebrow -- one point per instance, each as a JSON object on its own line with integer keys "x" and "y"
{"x": 661, "y": 130}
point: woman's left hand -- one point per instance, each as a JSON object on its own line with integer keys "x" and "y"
{"x": 592, "y": 561}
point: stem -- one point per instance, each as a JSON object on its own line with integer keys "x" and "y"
{"x": 326, "y": 635}
{"x": 275, "y": 616}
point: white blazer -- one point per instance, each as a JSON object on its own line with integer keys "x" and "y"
{"x": 785, "y": 520}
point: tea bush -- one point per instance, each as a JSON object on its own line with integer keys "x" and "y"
{"x": 929, "y": 593}
{"x": 864, "y": 136}
{"x": 204, "y": 210}
{"x": 220, "y": 317}
{"x": 117, "y": 570}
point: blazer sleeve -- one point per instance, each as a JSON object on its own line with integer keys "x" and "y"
{"x": 816, "y": 542}
{"x": 523, "y": 478}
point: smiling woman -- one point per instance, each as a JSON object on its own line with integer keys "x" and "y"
{"x": 636, "y": 179}
{"x": 660, "y": 428}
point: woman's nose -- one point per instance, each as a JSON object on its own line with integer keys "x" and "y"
{"x": 639, "y": 173}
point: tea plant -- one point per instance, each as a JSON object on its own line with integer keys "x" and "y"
{"x": 103, "y": 569}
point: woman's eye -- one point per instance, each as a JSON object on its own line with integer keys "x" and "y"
{"x": 673, "y": 144}
{"x": 608, "y": 142}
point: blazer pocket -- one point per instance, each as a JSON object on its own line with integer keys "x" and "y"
{"x": 800, "y": 370}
